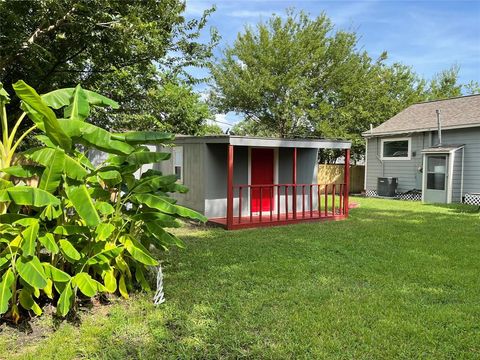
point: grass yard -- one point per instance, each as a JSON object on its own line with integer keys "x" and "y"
{"x": 396, "y": 280}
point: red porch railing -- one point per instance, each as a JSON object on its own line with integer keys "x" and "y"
{"x": 285, "y": 203}
{"x": 272, "y": 204}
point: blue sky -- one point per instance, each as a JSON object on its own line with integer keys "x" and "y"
{"x": 428, "y": 35}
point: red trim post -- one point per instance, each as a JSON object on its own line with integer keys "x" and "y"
{"x": 294, "y": 182}
{"x": 346, "y": 180}
{"x": 230, "y": 188}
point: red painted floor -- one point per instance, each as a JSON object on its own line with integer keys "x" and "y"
{"x": 283, "y": 219}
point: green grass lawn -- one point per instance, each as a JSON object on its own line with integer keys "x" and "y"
{"x": 395, "y": 280}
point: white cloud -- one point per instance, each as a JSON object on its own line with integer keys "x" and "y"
{"x": 196, "y": 8}
{"x": 349, "y": 14}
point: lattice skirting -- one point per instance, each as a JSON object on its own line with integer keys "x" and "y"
{"x": 414, "y": 196}
{"x": 472, "y": 199}
{"x": 371, "y": 193}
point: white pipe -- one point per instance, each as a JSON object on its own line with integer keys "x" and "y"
{"x": 379, "y": 158}
{"x": 451, "y": 162}
{"x": 439, "y": 124}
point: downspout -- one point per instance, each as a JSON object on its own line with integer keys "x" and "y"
{"x": 365, "y": 175}
{"x": 379, "y": 158}
{"x": 461, "y": 176}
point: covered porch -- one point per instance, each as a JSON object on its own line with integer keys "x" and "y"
{"x": 274, "y": 182}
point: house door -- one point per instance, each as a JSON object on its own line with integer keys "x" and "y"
{"x": 435, "y": 179}
{"x": 262, "y": 167}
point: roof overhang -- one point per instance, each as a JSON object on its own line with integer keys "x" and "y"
{"x": 264, "y": 142}
{"x": 442, "y": 149}
{"x": 368, "y": 134}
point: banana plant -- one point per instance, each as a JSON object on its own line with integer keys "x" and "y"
{"x": 83, "y": 230}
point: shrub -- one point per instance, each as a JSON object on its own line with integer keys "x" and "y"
{"x": 83, "y": 228}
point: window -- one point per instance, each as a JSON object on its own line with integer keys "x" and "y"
{"x": 436, "y": 170}
{"x": 396, "y": 149}
{"x": 178, "y": 162}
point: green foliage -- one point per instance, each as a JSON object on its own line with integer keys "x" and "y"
{"x": 83, "y": 230}
{"x": 132, "y": 48}
{"x": 174, "y": 108}
{"x": 445, "y": 85}
{"x": 295, "y": 75}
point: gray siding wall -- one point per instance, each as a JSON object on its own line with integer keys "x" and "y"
{"x": 216, "y": 178}
{"x": 97, "y": 157}
{"x": 307, "y": 170}
{"x": 215, "y": 173}
{"x": 307, "y": 173}
{"x": 471, "y": 139}
{"x": 193, "y": 162}
{"x": 409, "y": 177}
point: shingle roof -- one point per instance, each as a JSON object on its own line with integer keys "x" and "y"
{"x": 454, "y": 113}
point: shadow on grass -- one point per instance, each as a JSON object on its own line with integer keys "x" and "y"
{"x": 458, "y": 208}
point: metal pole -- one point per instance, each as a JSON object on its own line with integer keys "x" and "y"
{"x": 439, "y": 124}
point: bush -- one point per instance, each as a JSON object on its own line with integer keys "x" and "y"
{"x": 82, "y": 228}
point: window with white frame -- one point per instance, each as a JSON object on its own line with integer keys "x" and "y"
{"x": 178, "y": 162}
{"x": 396, "y": 149}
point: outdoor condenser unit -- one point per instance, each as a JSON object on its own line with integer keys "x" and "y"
{"x": 387, "y": 186}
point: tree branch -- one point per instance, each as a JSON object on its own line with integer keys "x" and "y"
{"x": 31, "y": 40}
{"x": 40, "y": 31}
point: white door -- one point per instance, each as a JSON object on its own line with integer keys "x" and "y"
{"x": 435, "y": 184}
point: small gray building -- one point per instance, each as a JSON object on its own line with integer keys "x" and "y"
{"x": 239, "y": 181}
{"x": 431, "y": 148}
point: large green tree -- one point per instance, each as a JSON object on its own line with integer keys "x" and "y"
{"x": 298, "y": 76}
{"x": 135, "y": 48}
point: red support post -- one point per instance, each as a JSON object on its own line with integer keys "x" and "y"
{"x": 294, "y": 181}
{"x": 230, "y": 188}
{"x": 346, "y": 182}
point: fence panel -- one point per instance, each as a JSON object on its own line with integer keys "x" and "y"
{"x": 333, "y": 174}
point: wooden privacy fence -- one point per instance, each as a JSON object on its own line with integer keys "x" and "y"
{"x": 333, "y": 174}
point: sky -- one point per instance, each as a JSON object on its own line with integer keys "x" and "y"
{"x": 430, "y": 36}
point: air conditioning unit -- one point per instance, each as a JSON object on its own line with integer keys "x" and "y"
{"x": 387, "y": 186}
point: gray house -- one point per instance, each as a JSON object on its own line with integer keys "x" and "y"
{"x": 239, "y": 181}
{"x": 431, "y": 148}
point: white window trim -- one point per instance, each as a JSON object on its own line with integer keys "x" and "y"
{"x": 175, "y": 149}
{"x": 409, "y": 157}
